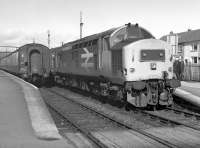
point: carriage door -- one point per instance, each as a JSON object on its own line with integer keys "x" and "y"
{"x": 35, "y": 62}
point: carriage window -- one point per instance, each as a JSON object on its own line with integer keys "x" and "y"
{"x": 94, "y": 42}
{"x": 80, "y": 45}
{"x": 95, "y": 62}
{"x": 85, "y": 44}
{"x": 22, "y": 58}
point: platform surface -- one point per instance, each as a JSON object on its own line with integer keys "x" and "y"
{"x": 15, "y": 124}
{"x": 191, "y": 87}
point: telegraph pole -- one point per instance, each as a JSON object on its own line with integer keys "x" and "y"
{"x": 49, "y": 40}
{"x": 81, "y": 25}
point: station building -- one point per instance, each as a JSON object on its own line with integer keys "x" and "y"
{"x": 185, "y": 45}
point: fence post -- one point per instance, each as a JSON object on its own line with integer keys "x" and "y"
{"x": 199, "y": 72}
{"x": 190, "y": 72}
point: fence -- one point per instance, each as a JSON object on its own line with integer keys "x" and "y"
{"x": 191, "y": 72}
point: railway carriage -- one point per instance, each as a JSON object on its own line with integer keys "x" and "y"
{"x": 125, "y": 63}
{"x": 31, "y": 62}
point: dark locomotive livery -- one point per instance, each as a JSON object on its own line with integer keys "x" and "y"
{"x": 31, "y": 62}
{"x": 125, "y": 63}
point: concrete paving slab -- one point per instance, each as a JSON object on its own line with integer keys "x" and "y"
{"x": 78, "y": 140}
{"x": 15, "y": 124}
{"x": 41, "y": 121}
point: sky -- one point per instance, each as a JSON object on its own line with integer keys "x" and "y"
{"x": 27, "y": 21}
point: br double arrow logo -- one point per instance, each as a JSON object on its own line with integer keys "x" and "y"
{"x": 87, "y": 55}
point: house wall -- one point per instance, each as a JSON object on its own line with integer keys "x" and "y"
{"x": 172, "y": 39}
{"x": 190, "y": 53}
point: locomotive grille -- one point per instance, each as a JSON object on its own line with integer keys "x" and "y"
{"x": 152, "y": 55}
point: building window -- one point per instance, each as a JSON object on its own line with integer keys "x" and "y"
{"x": 194, "y": 47}
{"x": 194, "y": 60}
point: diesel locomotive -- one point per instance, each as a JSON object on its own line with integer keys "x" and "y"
{"x": 125, "y": 63}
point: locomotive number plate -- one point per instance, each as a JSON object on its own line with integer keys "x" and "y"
{"x": 153, "y": 66}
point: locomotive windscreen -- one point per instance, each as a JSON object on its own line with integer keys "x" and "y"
{"x": 133, "y": 32}
{"x": 152, "y": 55}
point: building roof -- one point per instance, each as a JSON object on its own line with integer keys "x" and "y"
{"x": 188, "y": 36}
{"x": 191, "y": 35}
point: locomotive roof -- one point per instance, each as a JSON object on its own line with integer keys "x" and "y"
{"x": 20, "y": 48}
{"x": 93, "y": 37}
{"x": 85, "y": 39}
{"x": 32, "y": 44}
{"x": 106, "y": 33}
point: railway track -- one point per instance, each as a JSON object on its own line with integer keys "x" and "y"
{"x": 62, "y": 124}
{"x": 72, "y": 126}
{"x": 186, "y": 113}
{"x": 173, "y": 116}
{"x": 87, "y": 120}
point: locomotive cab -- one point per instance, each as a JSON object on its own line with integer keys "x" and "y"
{"x": 147, "y": 69}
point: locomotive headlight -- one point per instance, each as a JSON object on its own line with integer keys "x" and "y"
{"x": 132, "y": 70}
{"x": 144, "y": 54}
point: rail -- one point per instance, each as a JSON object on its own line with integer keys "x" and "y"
{"x": 162, "y": 141}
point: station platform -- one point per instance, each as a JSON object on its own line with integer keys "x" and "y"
{"x": 189, "y": 91}
{"x": 24, "y": 123}
{"x": 191, "y": 87}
